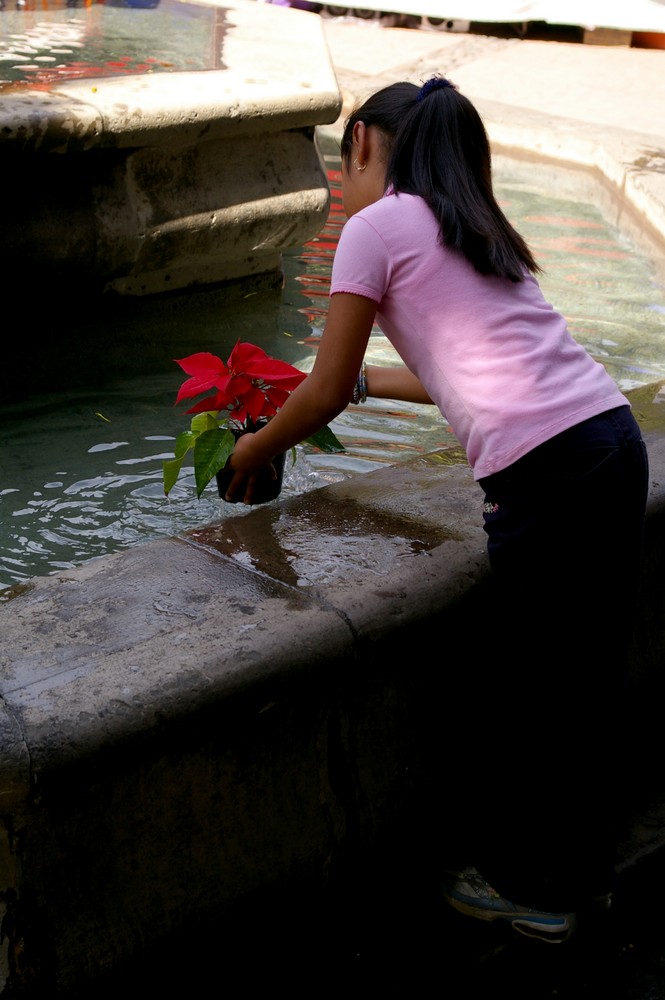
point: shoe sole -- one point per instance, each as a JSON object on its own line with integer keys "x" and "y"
{"x": 520, "y": 922}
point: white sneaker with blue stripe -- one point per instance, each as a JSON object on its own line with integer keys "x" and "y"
{"x": 469, "y": 893}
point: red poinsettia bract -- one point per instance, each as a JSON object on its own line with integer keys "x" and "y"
{"x": 251, "y": 385}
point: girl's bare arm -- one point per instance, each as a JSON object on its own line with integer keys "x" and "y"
{"x": 395, "y": 383}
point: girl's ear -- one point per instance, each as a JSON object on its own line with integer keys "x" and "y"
{"x": 360, "y": 139}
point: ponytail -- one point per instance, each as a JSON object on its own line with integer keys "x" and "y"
{"x": 437, "y": 148}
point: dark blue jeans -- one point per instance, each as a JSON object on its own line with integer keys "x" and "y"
{"x": 564, "y": 527}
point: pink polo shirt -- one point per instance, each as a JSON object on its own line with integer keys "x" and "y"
{"x": 493, "y": 354}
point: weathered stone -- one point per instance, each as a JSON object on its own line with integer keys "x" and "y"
{"x": 147, "y": 184}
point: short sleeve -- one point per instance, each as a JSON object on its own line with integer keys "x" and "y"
{"x": 362, "y": 264}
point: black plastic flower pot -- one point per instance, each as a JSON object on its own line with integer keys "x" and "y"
{"x": 267, "y": 488}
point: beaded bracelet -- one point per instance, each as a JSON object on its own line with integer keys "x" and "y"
{"x": 360, "y": 388}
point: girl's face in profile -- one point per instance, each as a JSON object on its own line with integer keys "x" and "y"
{"x": 363, "y": 171}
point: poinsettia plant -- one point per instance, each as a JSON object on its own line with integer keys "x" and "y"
{"x": 249, "y": 389}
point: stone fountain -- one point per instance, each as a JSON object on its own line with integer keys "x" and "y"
{"x": 135, "y": 181}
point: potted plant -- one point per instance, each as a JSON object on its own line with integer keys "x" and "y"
{"x": 249, "y": 389}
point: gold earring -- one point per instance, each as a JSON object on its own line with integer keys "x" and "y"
{"x": 357, "y": 165}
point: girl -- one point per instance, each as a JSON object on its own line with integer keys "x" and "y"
{"x": 429, "y": 254}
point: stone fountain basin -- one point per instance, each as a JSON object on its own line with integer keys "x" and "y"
{"x": 145, "y": 184}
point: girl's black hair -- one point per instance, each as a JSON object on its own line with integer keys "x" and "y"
{"x": 437, "y": 147}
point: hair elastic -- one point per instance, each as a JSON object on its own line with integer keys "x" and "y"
{"x": 434, "y": 83}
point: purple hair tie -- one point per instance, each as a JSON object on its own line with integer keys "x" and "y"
{"x": 435, "y": 83}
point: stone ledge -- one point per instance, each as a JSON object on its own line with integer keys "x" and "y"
{"x": 178, "y": 710}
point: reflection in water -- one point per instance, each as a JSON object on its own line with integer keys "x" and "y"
{"x": 45, "y": 42}
{"x": 82, "y": 468}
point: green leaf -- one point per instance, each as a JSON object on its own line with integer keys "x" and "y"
{"x": 171, "y": 467}
{"x": 183, "y": 443}
{"x": 211, "y": 452}
{"x": 326, "y": 441}
{"x": 171, "y": 471}
{"x": 204, "y": 422}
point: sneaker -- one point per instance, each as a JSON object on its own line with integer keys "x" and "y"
{"x": 469, "y": 893}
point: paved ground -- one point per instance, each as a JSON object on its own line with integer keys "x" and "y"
{"x": 388, "y": 933}
{"x": 392, "y": 935}
{"x": 613, "y": 86}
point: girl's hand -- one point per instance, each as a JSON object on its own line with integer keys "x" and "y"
{"x": 251, "y": 464}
